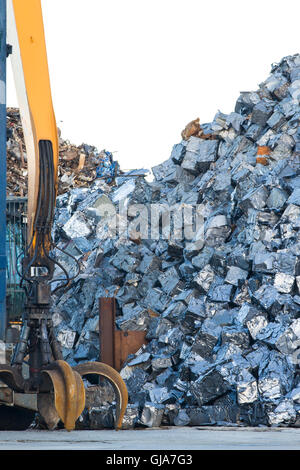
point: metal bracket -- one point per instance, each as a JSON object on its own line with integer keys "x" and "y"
{"x": 24, "y": 400}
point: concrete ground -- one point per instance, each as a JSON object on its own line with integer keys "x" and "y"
{"x": 172, "y": 438}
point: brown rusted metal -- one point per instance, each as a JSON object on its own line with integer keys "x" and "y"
{"x": 107, "y": 314}
{"x": 127, "y": 342}
{"x": 116, "y": 345}
{"x": 263, "y": 150}
{"x": 262, "y": 160}
{"x": 69, "y": 394}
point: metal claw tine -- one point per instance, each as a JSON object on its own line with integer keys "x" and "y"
{"x": 116, "y": 380}
{"x": 69, "y": 393}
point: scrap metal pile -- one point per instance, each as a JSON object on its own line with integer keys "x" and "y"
{"x": 222, "y": 310}
{"x": 78, "y": 166}
{"x": 222, "y": 313}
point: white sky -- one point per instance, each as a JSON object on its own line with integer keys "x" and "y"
{"x": 128, "y": 75}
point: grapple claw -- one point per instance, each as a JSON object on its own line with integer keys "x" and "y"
{"x": 115, "y": 379}
{"x": 69, "y": 395}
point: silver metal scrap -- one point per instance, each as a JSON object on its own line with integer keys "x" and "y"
{"x": 289, "y": 341}
{"x": 247, "y": 391}
{"x": 295, "y": 395}
{"x": 256, "y": 324}
{"x": 284, "y": 414}
{"x": 205, "y": 278}
{"x": 152, "y": 414}
{"x": 270, "y": 388}
{"x": 66, "y": 338}
{"x": 284, "y": 282}
{"x": 298, "y": 283}
{"x": 131, "y": 416}
{"x": 182, "y": 419}
{"x": 78, "y": 226}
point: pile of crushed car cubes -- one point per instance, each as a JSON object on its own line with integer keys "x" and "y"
{"x": 221, "y": 308}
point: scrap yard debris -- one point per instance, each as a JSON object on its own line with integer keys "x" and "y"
{"x": 221, "y": 310}
{"x": 78, "y": 166}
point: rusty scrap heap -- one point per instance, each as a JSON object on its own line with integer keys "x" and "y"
{"x": 77, "y": 165}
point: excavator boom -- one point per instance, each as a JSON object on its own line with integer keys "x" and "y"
{"x": 31, "y": 75}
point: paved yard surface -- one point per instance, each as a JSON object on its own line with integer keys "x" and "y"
{"x": 154, "y": 439}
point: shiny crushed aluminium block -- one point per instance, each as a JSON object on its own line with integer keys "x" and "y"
{"x": 294, "y": 197}
{"x": 178, "y": 152}
{"x": 221, "y": 293}
{"x": 131, "y": 416}
{"x": 209, "y": 387}
{"x": 236, "y": 335}
{"x": 255, "y": 324}
{"x": 283, "y": 415}
{"x": 261, "y": 113}
{"x": 284, "y": 282}
{"x": 266, "y": 296}
{"x": 277, "y": 198}
{"x": 160, "y": 395}
{"x": 199, "y": 154}
{"x": 256, "y": 198}
{"x": 204, "y": 278}
{"x": 170, "y": 281}
{"x": 247, "y": 391}
{"x": 217, "y": 231}
{"x": 159, "y": 363}
{"x": 236, "y": 276}
{"x": 152, "y": 414}
{"x": 289, "y": 341}
{"x": 66, "y": 338}
{"x": 270, "y": 388}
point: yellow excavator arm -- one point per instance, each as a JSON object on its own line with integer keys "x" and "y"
{"x": 59, "y": 388}
{"x": 31, "y": 74}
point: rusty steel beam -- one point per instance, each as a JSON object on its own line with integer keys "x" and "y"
{"x": 116, "y": 345}
{"x": 107, "y": 316}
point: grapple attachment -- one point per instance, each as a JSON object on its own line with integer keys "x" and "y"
{"x": 67, "y": 401}
{"x": 61, "y": 394}
{"x": 69, "y": 395}
{"x": 60, "y": 389}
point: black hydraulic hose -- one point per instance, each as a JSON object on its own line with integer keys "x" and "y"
{"x": 38, "y": 209}
{"x": 39, "y": 201}
{"x": 29, "y": 266}
{"x": 57, "y": 263}
{"x": 73, "y": 257}
{"x": 24, "y": 253}
{"x": 42, "y": 221}
{"x": 51, "y": 185}
{"x": 45, "y": 346}
{"x": 21, "y": 346}
{"x": 55, "y": 348}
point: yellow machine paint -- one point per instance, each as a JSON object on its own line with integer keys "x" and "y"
{"x": 31, "y": 40}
